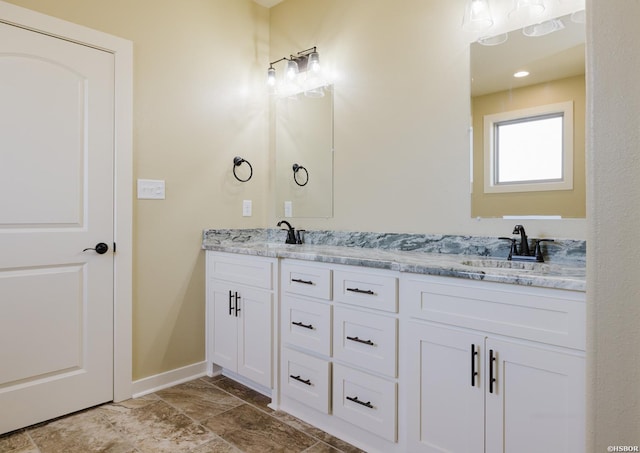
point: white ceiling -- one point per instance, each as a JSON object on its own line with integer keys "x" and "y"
{"x": 267, "y": 3}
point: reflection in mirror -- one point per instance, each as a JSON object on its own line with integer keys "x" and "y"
{"x": 304, "y": 138}
{"x": 552, "y": 53}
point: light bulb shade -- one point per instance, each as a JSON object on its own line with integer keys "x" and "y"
{"x": 578, "y": 17}
{"x": 271, "y": 77}
{"x": 477, "y": 16}
{"x": 543, "y": 28}
{"x": 292, "y": 69}
{"x": 527, "y": 9}
{"x": 313, "y": 62}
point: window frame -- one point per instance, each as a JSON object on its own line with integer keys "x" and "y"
{"x": 490, "y": 153}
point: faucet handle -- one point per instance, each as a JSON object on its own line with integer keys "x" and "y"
{"x": 300, "y": 236}
{"x": 538, "y": 250}
{"x": 513, "y": 250}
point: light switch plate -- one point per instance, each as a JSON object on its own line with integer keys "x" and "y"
{"x": 288, "y": 209}
{"x": 151, "y": 189}
{"x": 246, "y": 208}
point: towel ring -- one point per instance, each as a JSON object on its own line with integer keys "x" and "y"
{"x": 297, "y": 167}
{"x": 237, "y": 161}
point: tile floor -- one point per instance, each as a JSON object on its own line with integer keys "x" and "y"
{"x": 205, "y": 415}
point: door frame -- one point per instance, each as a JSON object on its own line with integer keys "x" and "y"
{"x": 122, "y": 51}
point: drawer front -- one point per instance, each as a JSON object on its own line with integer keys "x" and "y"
{"x": 365, "y": 401}
{"x": 366, "y": 290}
{"x": 539, "y": 314}
{"x": 247, "y": 270}
{"x": 306, "y": 379}
{"x": 306, "y": 324}
{"x": 307, "y": 280}
{"x": 365, "y": 339}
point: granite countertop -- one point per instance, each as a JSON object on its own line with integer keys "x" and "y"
{"x": 565, "y": 274}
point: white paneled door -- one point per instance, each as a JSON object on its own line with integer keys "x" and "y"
{"x": 56, "y": 199}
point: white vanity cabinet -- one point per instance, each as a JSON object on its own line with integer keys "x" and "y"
{"x": 339, "y": 333}
{"x": 239, "y": 313}
{"x": 493, "y": 367}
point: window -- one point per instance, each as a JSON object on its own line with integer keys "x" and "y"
{"x": 529, "y": 150}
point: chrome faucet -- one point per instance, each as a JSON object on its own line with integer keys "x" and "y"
{"x": 522, "y": 252}
{"x": 291, "y": 233}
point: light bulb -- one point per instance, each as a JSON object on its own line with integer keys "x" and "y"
{"x": 527, "y": 9}
{"x": 313, "y": 63}
{"x": 292, "y": 69}
{"x": 271, "y": 77}
{"x": 477, "y": 16}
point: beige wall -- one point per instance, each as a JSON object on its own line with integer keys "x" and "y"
{"x": 198, "y": 102}
{"x": 402, "y": 114}
{"x": 613, "y": 200}
{"x": 568, "y": 203}
{"x": 401, "y": 133}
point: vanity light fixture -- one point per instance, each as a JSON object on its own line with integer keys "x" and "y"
{"x": 477, "y": 16}
{"x": 306, "y": 61}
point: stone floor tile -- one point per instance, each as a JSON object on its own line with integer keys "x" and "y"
{"x": 17, "y": 442}
{"x": 254, "y": 431}
{"x": 83, "y": 432}
{"x": 157, "y": 427}
{"x": 244, "y": 393}
{"x": 199, "y": 400}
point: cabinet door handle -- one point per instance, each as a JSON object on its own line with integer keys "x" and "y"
{"x": 299, "y": 379}
{"x": 362, "y": 403}
{"x": 230, "y": 306}
{"x": 306, "y": 326}
{"x": 492, "y": 370}
{"x": 474, "y": 373}
{"x": 358, "y": 340}
{"x": 237, "y": 304}
{"x": 361, "y": 291}
{"x": 306, "y": 282}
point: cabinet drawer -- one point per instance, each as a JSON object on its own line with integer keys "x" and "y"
{"x": 365, "y": 401}
{"x": 365, "y": 339}
{"x": 366, "y": 290}
{"x": 247, "y": 270}
{"x": 539, "y": 314}
{"x": 306, "y": 379}
{"x": 306, "y": 324}
{"x": 308, "y": 280}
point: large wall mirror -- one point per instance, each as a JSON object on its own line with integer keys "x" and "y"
{"x": 304, "y": 154}
{"x": 528, "y": 156}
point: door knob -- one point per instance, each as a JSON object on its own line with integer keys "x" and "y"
{"x": 100, "y": 248}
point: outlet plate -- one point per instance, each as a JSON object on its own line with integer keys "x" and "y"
{"x": 288, "y": 209}
{"x": 151, "y": 189}
{"x": 246, "y": 208}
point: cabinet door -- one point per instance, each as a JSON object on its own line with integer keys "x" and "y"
{"x": 537, "y": 400}
{"x": 255, "y": 341}
{"x": 223, "y": 329}
{"x": 445, "y": 403}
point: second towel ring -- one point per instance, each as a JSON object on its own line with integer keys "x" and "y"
{"x": 296, "y": 168}
{"x": 237, "y": 161}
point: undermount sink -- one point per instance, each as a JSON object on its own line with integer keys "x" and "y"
{"x": 510, "y": 265}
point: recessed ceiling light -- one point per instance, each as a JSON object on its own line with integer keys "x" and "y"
{"x": 521, "y": 74}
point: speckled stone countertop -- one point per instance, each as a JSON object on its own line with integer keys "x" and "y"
{"x": 470, "y": 257}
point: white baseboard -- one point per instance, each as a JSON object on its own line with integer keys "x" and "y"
{"x": 167, "y": 379}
